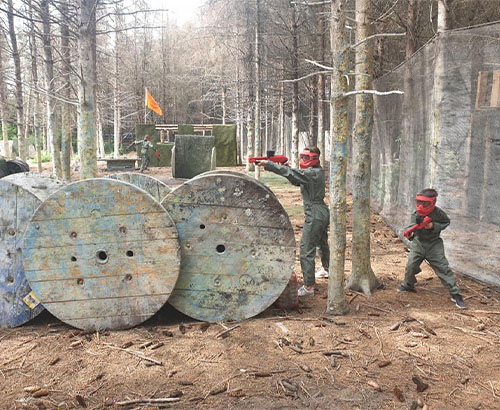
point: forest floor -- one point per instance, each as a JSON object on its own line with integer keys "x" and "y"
{"x": 391, "y": 351}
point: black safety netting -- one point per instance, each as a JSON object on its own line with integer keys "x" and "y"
{"x": 444, "y": 133}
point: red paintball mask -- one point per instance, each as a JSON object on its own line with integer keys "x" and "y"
{"x": 308, "y": 159}
{"x": 425, "y": 205}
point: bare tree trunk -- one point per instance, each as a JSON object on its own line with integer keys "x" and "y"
{"x": 266, "y": 144}
{"x": 87, "y": 89}
{"x": 282, "y": 120}
{"x": 66, "y": 147}
{"x": 36, "y": 104}
{"x": 19, "y": 84}
{"x": 295, "y": 84}
{"x": 239, "y": 119}
{"x": 362, "y": 277}
{"x": 439, "y": 68}
{"x": 3, "y": 99}
{"x": 321, "y": 91}
{"x": 101, "y": 153}
{"x": 338, "y": 160}
{"x": 313, "y": 106}
{"x": 258, "y": 136}
{"x": 250, "y": 139}
{"x": 52, "y": 136}
{"x": 224, "y": 108}
{"x": 27, "y": 113}
{"x": 250, "y": 125}
{"x": 410, "y": 29}
{"x": 116, "y": 90}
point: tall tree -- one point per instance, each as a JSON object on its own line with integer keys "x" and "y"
{"x": 52, "y": 134}
{"x": 35, "y": 85}
{"x": 258, "y": 135}
{"x": 87, "y": 89}
{"x": 116, "y": 85}
{"x": 3, "y": 99}
{"x": 362, "y": 277}
{"x": 295, "y": 85}
{"x": 19, "y": 83}
{"x": 439, "y": 72}
{"x": 321, "y": 85}
{"x": 66, "y": 146}
{"x": 338, "y": 161}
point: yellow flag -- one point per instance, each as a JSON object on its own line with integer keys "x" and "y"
{"x": 152, "y": 104}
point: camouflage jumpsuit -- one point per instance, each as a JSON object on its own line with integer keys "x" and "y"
{"x": 315, "y": 231}
{"x": 427, "y": 244}
{"x": 145, "y": 146}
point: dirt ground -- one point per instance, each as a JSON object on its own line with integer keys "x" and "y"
{"x": 391, "y": 351}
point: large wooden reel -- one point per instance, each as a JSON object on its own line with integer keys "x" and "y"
{"x": 20, "y": 196}
{"x": 101, "y": 254}
{"x": 237, "y": 247}
{"x": 154, "y": 187}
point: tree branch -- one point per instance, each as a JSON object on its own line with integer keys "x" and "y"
{"x": 319, "y": 65}
{"x": 377, "y": 35}
{"x": 372, "y": 92}
{"x": 304, "y": 77}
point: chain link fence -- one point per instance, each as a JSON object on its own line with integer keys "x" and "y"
{"x": 444, "y": 133}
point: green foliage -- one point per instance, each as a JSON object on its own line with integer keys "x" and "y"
{"x": 11, "y": 130}
{"x": 46, "y": 157}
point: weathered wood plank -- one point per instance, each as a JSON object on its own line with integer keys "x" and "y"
{"x": 237, "y": 247}
{"x": 102, "y": 254}
{"x": 20, "y": 195}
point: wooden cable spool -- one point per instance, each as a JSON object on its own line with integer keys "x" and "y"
{"x": 20, "y": 196}
{"x": 101, "y": 254}
{"x": 156, "y": 188}
{"x": 237, "y": 247}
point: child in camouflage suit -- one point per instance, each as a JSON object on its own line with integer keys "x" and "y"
{"x": 427, "y": 245}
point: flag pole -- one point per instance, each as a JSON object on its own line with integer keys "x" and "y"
{"x": 145, "y": 104}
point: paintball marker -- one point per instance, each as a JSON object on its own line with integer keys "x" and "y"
{"x": 418, "y": 226}
{"x": 278, "y": 159}
{"x": 158, "y": 155}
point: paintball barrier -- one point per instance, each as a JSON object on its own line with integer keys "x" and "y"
{"x": 21, "y": 194}
{"x": 444, "y": 133}
{"x": 193, "y": 155}
{"x": 105, "y": 253}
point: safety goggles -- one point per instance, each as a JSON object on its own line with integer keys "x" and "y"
{"x": 425, "y": 202}
{"x": 309, "y": 157}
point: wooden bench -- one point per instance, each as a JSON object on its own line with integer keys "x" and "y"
{"x": 120, "y": 164}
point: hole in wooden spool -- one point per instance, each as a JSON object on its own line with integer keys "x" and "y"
{"x": 102, "y": 256}
{"x": 202, "y": 226}
{"x": 130, "y": 254}
{"x": 79, "y": 282}
{"x": 11, "y": 232}
{"x": 73, "y": 235}
{"x": 10, "y": 279}
{"x": 123, "y": 229}
{"x": 220, "y": 248}
{"x": 128, "y": 277}
{"x": 73, "y": 258}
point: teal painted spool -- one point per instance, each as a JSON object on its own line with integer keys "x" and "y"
{"x": 101, "y": 254}
{"x": 237, "y": 247}
{"x": 154, "y": 187}
{"x": 20, "y": 196}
